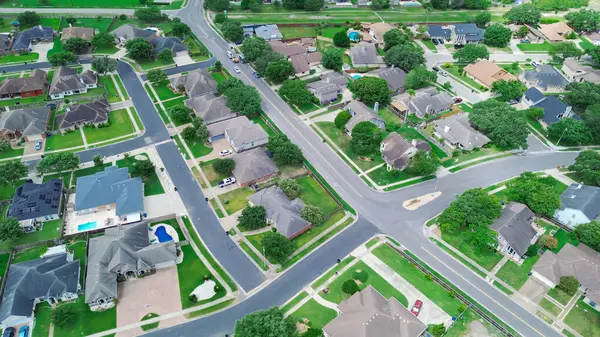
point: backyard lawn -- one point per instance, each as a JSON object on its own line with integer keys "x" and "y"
{"x": 87, "y": 322}
{"x": 584, "y": 319}
{"x": 112, "y": 95}
{"x": 235, "y": 200}
{"x": 212, "y": 176}
{"x": 64, "y": 141}
{"x": 516, "y": 275}
{"x": 563, "y": 237}
{"x": 486, "y": 260}
{"x": 50, "y": 230}
{"x": 312, "y": 193}
{"x": 79, "y": 250}
{"x": 317, "y": 315}
{"x": 389, "y": 117}
{"x": 296, "y": 32}
{"x": 191, "y": 273}
{"x": 330, "y": 32}
{"x": 152, "y": 186}
{"x": 119, "y": 125}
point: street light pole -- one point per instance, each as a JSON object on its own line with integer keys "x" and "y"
{"x": 563, "y": 133}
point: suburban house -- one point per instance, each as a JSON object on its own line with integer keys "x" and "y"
{"x": 253, "y": 166}
{"x": 210, "y": 108}
{"x": 554, "y": 108}
{"x": 50, "y": 279}
{"x": 287, "y": 50}
{"x": 457, "y": 132}
{"x": 33, "y": 204}
{"x": 397, "y": 151}
{"x": 123, "y": 252}
{"x": 365, "y": 55}
{"x": 578, "y": 73}
{"x": 80, "y": 32}
{"x": 282, "y": 212}
{"x": 195, "y": 83}
{"x": 5, "y": 40}
{"x": 296, "y": 53}
{"x": 29, "y": 124}
{"x": 426, "y": 102}
{"x": 268, "y": 32}
{"x": 76, "y": 115}
{"x": 336, "y": 78}
{"x": 130, "y": 32}
{"x": 394, "y": 76}
{"x": 31, "y": 86}
{"x": 555, "y": 32}
{"x": 172, "y": 43}
{"x": 368, "y": 314}
{"x": 324, "y": 91}
{"x": 108, "y": 190}
{"x": 377, "y": 30}
{"x": 579, "y": 204}
{"x": 581, "y": 262}
{"x": 67, "y": 81}
{"x": 545, "y": 77}
{"x": 26, "y": 38}
{"x": 515, "y": 231}
{"x": 487, "y": 72}
{"x": 361, "y": 113}
{"x": 460, "y": 33}
{"x": 241, "y": 133}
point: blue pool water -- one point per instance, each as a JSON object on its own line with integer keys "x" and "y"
{"x": 162, "y": 235}
{"x": 354, "y": 36}
{"x": 356, "y": 76}
{"x": 87, "y": 226}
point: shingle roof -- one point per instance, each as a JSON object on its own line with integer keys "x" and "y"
{"x": 36, "y": 81}
{"x": 196, "y": 83}
{"x": 553, "y": 107}
{"x": 95, "y": 112}
{"x": 245, "y": 133}
{"x": 80, "y": 32}
{"x": 487, "y": 72}
{"x": 323, "y": 87}
{"x": 29, "y": 122}
{"x": 282, "y": 211}
{"x": 24, "y": 38}
{"x": 533, "y": 94}
{"x": 36, "y": 200}
{"x": 130, "y": 32}
{"x": 515, "y": 226}
{"x": 365, "y": 53}
{"x": 219, "y": 128}
{"x": 174, "y": 44}
{"x": 425, "y": 104}
{"x": 470, "y": 30}
{"x": 555, "y": 31}
{"x": 287, "y": 50}
{"x": 582, "y": 197}
{"x": 545, "y": 77}
{"x": 68, "y": 79}
{"x": 111, "y": 186}
{"x": 394, "y": 148}
{"x": 210, "y": 108}
{"x": 457, "y": 130}
{"x": 268, "y": 32}
{"x": 335, "y": 77}
{"x": 362, "y": 113}
{"x": 253, "y": 165}
{"x": 439, "y": 31}
{"x": 394, "y": 76}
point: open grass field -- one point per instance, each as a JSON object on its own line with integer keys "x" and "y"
{"x": 297, "y": 32}
{"x": 120, "y": 125}
{"x": 191, "y": 273}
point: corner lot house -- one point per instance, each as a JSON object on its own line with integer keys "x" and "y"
{"x": 546, "y": 78}
{"x": 130, "y": 32}
{"x": 487, "y": 72}
{"x": 515, "y": 231}
{"x": 50, "y": 279}
{"x": 578, "y": 204}
{"x": 95, "y": 113}
{"x": 29, "y": 124}
{"x": 31, "y": 86}
{"x": 122, "y": 252}
{"x": 66, "y": 82}
{"x": 555, "y": 32}
{"x": 240, "y": 132}
{"x": 395, "y": 77}
{"x": 80, "y": 32}
{"x": 397, "y": 151}
{"x": 457, "y": 132}
{"x": 581, "y": 262}
{"x": 361, "y": 113}
{"x": 33, "y": 204}
{"x": 195, "y": 83}
{"x": 210, "y": 108}
{"x": 172, "y": 43}
{"x": 253, "y": 166}
{"x": 281, "y": 211}
{"x": 368, "y": 314}
{"x": 426, "y": 102}
{"x": 578, "y": 73}
{"x": 554, "y": 108}
{"x": 26, "y": 38}
{"x": 365, "y": 55}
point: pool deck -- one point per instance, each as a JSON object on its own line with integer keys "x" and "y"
{"x": 169, "y": 229}
{"x": 103, "y": 219}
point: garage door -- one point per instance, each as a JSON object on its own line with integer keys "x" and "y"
{"x": 217, "y": 137}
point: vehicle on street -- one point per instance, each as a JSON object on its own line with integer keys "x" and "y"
{"x": 225, "y": 152}
{"x": 236, "y": 60}
{"x": 255, "y": 74}
{"x": 229, "y": 54}
{"x": 226, "y": 182}
{"x": 457, "y": 100}
{"x": 435, "y": 41}
{"x": 436, "y": 69}
{"x": 237, "y": 70}
{"x": 533, "y": 63}
{"x": 458, "y": 46}
{"x": 24, "y": 331}
{"x": 9, "y": 332}
{"x": 416, "y": 309}
{"x": 38, "y": 145}
{"x": 524, "y": 41}
{"x": 443, "y": 73}
{"x": 311, "y": 49}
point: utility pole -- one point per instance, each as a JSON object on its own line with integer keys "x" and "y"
{"x": 563, "y": 133}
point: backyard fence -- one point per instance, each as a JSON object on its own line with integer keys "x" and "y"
{"x": 556, "y": 223}
{"x": 434, "y": 141}
{"x": 5, "y": 277}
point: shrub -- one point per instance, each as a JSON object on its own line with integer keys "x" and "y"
{"x": 350, "y": 287}
{"x": 532, "y": 250}
{"x": 290, "y": 187}
{"x": 548, "y": 241}
{"x": 568, "y": 284}
{"x": 341, "y": 119}
{"x": 360, "y": 275}
{"x": 193, "y": 298}
{"x": 63, "y": 316}
{"x": 313, "y": 332}
{"x": 224, "y": 166}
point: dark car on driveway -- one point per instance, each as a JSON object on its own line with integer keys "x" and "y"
{"x": 9, "y": 332}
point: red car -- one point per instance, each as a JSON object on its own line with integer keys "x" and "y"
{"x": 457, "y": 99}
{"x": 416, "y": 309}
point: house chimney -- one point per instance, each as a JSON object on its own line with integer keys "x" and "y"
{"x": 376, "y": 107}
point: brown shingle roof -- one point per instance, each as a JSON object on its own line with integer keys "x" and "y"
{"x": 487, "y": 72}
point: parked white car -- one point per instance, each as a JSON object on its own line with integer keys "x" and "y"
{"x": 225, "y": 152}
{"x": 229, "y": 54}
{"x": 226, "y": 182}
{"x": 443, "y": 73}
{"x": 237, "y": 70}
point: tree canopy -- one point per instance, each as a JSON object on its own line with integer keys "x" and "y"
{"x": 295, "y": 91}
{"x": 525, "y": 14}
{"x": 405, "y": 56}
{"x": 150, "y": 14}
{"x": 536, "y": 192}
{"x": 313, "y": 214}
{"x": 419, "y": 77}
{"x": 277, "y": 247}
{"x": 471, "y": 53}
{"x": 29, "y": 19}
{"x": 584, "y": 20}
{"x": 10, "y": 229}
{"x": 589, "y": 233}
{"x": 290, "y": 187}
{"x": 497, "y": 35}
{"x": 232, "y": 31}
{"x": 591, "y": 117}
{"x": 244, "y": 100}
{"x": 369, "y": 90}
{"x": 62, "y": 58}
{"x": 570, "y": 131}
{"x": 217, "y": 5}
{"x": 165, "y": 56}
{"x": 252, "y": 217}
{"x": 267, "y": 323}
{"x": 507, "y": 91}
{"x": 366, "y": 138}
{"x": 279, "y": 71}
{"x": 76, "y": 45}
{"x": 482, "y": 19}
{"x": 474, "y": 208}
{"x": 394, "y": 37}
{"x": 340, "y": 39}
{"x": 254, "y": 48}
{"x": 12, "y": 172}
{"x": 284, "y": 151}
{"x": 587, "y": 164}
{"x": 180, "y": 114}
{"x": 104, "y": 64}
{"x": 224, "y": 166}
{"x": 423, "y": 164}
{"x": 139, "y": 49}
{"x": 156, "y": 76}
{"x": 563, "y": 50}
{"x": 57, "y": 162}
{"x": 341, "y": 119}
{"x": 583, "y": 94}
{"x": 332, "y": 58}
{"x": 261, "y": 63}
{"x": 504, "y": 125}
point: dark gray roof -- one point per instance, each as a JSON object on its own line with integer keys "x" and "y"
{"x": 121, "y": 248}
{"x": 362, "y": 113}
{"x": 36, "y": 200}
{"x": 24, "y": 38}
{"x": 253, "y": 165}
{"x": 394, "y": 76}
{"x": 365, "y": 53}
{"x": 36, "y": 81}
{"x": 470, "y": 30}
{"x": 515, "y": 226}
{"x": 42, "y": 278}
{"x": 268, "y": 32}
{"x": 111, "y": 186}
{"x": 174, "y": 44}
{"x": 68, "y": 79}
{"x": 426, "y": 104}
{"x": 196, "y": 83}
{"x": 335, "y": 77}
{"x": 245, "y": 133}
{"x": 553, "y": 109}
{"x": 210, "y": 108}
{"x": 545, "y": 77}
{"x": 93, "y": 112}
{"x": 27, "y": 121}
{"x": 582, "y": 197}
{"x": 439, "y": 31}
{"x": 323, "y": 87}
{"x": 533, "y": 94}
{"x": 129, "y": 32}
{"x": 282, "y": 211}
{"x": 457, "y": 129}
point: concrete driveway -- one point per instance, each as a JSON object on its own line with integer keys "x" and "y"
{"x": 30, "y": 148}
{"x": 530, "y": 294}
{"x": 218, "y": 146}
{"x": 42, "y": 49}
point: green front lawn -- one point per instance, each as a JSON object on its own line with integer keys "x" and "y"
{"x": 43, "y": 313}
{"x": 293, "y": 302}
{"x": 152, "y": 186}
{"x": 191, "y": 273}
{"x": 3, "y": 263}
{"x": 297, "y": 32}
{"x": 10, "y": 153}
{"x": 559, "y": 295}
{"x": 152, "y": 64}
{"x": 429, "y": 44}
{"x": 332, "y": 272}
{"x": 310, "y": 234}
{"x": 535, "y": 47}
{"x": 219, "y": 77}
{"x": 312, "y": 193}
{"x": 212, "y": 176}
{"x": 57, "y": 47}
{"x": 585, "y": 43}
{"x": 50, "y": 230}
{"x": 470, "y": 155}
{"x": 486, "y": 260}
{"x": 29, "y": 57}
{"x": 465, "y": 79}
{"x": 516, "y": 275}
{"x": 584, "y": 319}
{"x": 88, "y": 322}
{"x": 119, "y": 125}
{"x": 199, "y": 148}
{"x": 550, "y": 307}
{"x": 235, "y": 200}
{"x": 258, "y": 259}
{"x": 382, "y": 176}
{"x": 317, "y": 315}
{"x": 112, "y": 95}
{"x": 163, "y": 91}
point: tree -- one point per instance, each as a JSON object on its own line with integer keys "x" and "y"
{"x": 536, "y": 192}
{"x": 217, "y": 5}
{"x": 62, "y": 58}
{"x": 497, "y": 35}
{"x": 252, "y": 218}
{"x": 422, "y": 164}
{"x": 149, "y": 14}
{"x": 139, "y": 49}
{"x": 394, "y": 37}
{"x": 482, "y": 239}
{"x": 245, "y": 100}
{"x": 165, "y": 56}
{"x": 224, "y": 167}
{"x": 521, "y": 32}
{"x": 350, "y": 287}
{"x": 587, "y": 165}
{"x": 312, "y": 214}
{"x": 261, "y": 64}
{"x": 189, "y": 133}
{"x": 277, "y": 247}
{"x": 63, "y": 316}
{"x": 295, "y": 91}
{"x": 180, "y": 114}
{"x": 229, "y": 83}
{"x": 583, "y": 94}
{"x": 568, "y": 284}
{"x": 284, "y": 151}
{"x": 366, "y": 138}
{"x": 220, "y": 18}
{"x": 440, "y": 4}
{"x": 277, "y": 4}
{"x": 313, "y": 5}
{"x": 12, "y": 172}
{"x": 548, "y": 241}
{"x": 156, "y": 76}
{"x": 57, "y": 162}
{"x": 180, "y": 29}
{"x": 341, "y": 40}
{"x": 535, "y": 113}
{"x": 406, "y": 57}
{"x": 290, "y": 187}
{"x": 312, "y": 332}
{"x": 471, "y": 53}
{"x": 104, "y": 65}
{"x": 333, "y": 59}
{"x": 218, "y": 66}
{"x": 29, "y": 19}
{"x": 474, "y": 208}
{"x": 76, "y": 45}
{"x": 526, "y": 14}
{"x": 584, "y": 20}
{"x": 570, "y": 131}
{"x": 10, "y": 229}
{"x": 476, "y": 4}
{"x": 4, "y": 145}
{"x": 437, "y": 330}
{"x": 254, "y": 48}
{"x": 293, "y": 4}
{"x": 103, "y": 39}
{"x": 279, "y": 71}
{"x": 419, "y": 77}
{"x": 591, "y": 117}
{"x": 341, "y": 119}
{"x": 563, "y": 50}
{"x": 532, "y": 250}
{"x": 594, "y": 53}
{"x": 369, "y": 90}
{"x": 232, "y": 31}
{"x": 482, "y": 19}
{"x": 98, "y": 161}
{"x": 504, "y": 125}
{"x": 200, "y": 130}
{"x": 589, "y": 234}
{"x": 507, "y": 91}
{"x": 268, "y": 323}
{"x": 144, "y": 169}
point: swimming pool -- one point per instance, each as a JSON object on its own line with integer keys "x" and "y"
{"x": 354, "y": 36}
{"x": 162, "y": 235}
{"x": 357, "y": 76}
{"x": 87, "y": 226}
